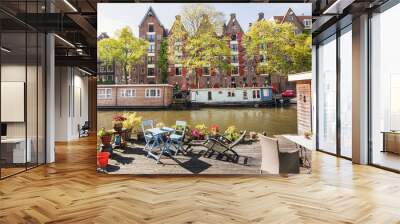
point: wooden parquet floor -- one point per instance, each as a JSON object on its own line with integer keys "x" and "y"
{"x": 70, "y": 191}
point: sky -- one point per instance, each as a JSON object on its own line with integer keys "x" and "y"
{"x": 114, "y": 16}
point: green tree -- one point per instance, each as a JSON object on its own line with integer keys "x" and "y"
{"x": 277, "y": 48}
{"x": 125, "y": 50}
{"x": 192, "y": 16}
{"x": 205, "y": 49}
{"x": 163, "y": 61}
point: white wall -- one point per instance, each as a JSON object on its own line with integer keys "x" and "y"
{"x": 71, "y": 102}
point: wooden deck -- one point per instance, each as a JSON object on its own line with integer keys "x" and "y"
{"x": 133, "y": 160}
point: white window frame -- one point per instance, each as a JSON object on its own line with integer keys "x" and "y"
{"x": 257, "y": 94}
{"x": 203, "y": 72}
{"x": 107, "y": 93}
{"x": 149, "y": 91}
{"x": 154, "y": 72}
{"x": 178, "y": 67}
{"x": 307, "y": 23}
{"x": 237, "y": 47}
{"x": 128, "y": 92}
{"x": 148, "y": 28}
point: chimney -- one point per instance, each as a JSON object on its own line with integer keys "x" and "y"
{"x": 260, "y": 16}
{"x": 233, "y": 15}
{"x": 178, "y": 17}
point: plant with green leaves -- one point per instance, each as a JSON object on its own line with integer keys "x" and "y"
{"x": 206, "y": 50}
{"x": 125, "y": 49}
{"x": 231, "y": 133}
{"x": 277, "y": 48}
{"x": 163, "y": 61}
{"x": 192, "y": 17}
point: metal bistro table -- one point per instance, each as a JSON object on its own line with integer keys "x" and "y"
{"x": 158, "y": 134}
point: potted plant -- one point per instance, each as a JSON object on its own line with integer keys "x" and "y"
{"x": 200, "y": 132}
{"x": 105, "y": 136}
{"x": 308, "y": 134}
{"x": 214, "y": 130}
{"x": 118, "y": 120}
{"x": 231, "y": 133}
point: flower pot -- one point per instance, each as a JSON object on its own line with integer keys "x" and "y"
{"x": 106, "y": 139}
{"x": 102, "y": 159}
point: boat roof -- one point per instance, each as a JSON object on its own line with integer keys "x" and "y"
{"x": 237, "y": 88}
{"x": 133, "y": 85}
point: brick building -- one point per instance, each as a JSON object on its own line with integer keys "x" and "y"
{"x": 300, "y": 22}
{"x": 243, "y": 72}
{"x": 177, "y": 74}
{"x": 152, "y": 30}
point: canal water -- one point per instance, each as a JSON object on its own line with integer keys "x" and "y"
{"x": 274, "y": 120}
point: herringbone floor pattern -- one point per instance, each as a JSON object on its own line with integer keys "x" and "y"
{"x": 70, "y": 191}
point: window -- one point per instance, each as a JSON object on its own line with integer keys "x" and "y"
{"x": 346, "y": 93}
{"x": 233, "y": 37}
{"x": 385, "y": 89}
{"x": 235, "y": 70}
{"x": 104, "y": 93}
{"x": 178, "y": 71}
{"x": 153, "y": 93}
{"x": 128, "y": 92}
{"x": 206, "y": 71}
{"x": 102, "y": 68}
{"x": 256, "y": 94}
{"x": 245, "y": 95}
{"x": 150, "y": 72}
{"x": 151, "y": 48}
{"x": 231, "y": 94}
{"x": 110, "y": 68}
{"x": 150, "y": 60}
{"x": 150, "y": 27}
{"x": 327, "y": 95}
{"x": 307, "y": 23}
{"x": 150, "y": 38}
{"x": 234, "y": 47}
{"x": 234, "y": 59}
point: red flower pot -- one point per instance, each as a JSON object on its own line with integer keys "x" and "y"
{"x": 102, "y": 159}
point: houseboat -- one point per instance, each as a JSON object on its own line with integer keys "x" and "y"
{"x": 246, "y": 96}
{"x": 134, "y": 96}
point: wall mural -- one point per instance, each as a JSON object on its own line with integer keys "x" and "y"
{"x": 201, "y": 88}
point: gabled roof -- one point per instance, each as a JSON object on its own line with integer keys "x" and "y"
{"x": 298, "y": 19}
{"x": 177, "y": 17}
{"x": 232, "y": 23}
{"x": 150, "y": 12}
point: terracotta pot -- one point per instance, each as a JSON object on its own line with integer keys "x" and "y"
{"x": 106, "y": 139}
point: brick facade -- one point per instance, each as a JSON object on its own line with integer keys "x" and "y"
{"x": 245, "y": 70}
